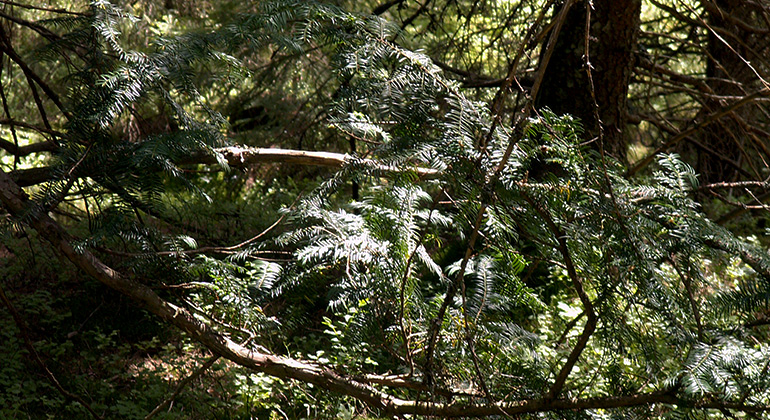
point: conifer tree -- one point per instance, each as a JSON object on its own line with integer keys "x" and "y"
{"x": 493, "y": 264}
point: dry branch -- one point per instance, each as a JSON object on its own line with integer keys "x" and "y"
{"x": 238, "y": 157}
{"x": 18, "y": 204}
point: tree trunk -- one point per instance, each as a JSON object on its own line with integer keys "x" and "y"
{"x": 728, "y": 75}
{"x": 567, "y": 86}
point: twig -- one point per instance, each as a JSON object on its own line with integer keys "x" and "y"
{"x": 8, "y": 112}
{"x": 567, "y": 328}
{"x": 724, "y": 185}
{"x": 16, "y": 202}
{"x": 182, "y": 384}
{"x": 706, "y": 122}
{"x": 31, "y": 348}
{"x": 435, "y": 326}
{"x": 382, "y": 8}
{"x": 690, "y": 297}
{"x": 577, "y": 283}
{"x": 43, "y": 9}
{"x": 32, "y": 79}
{"x": 405, "y": 278}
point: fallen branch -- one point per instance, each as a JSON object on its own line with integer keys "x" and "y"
{"x": 18, "y": 204}
{"x": 238, "y": 157}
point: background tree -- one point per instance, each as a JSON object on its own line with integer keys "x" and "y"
{"x": 592, "y": 83}
{"x": 474, "y": 255}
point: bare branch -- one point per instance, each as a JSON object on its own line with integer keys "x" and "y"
{"x": 737, "y": 184}
{"x": 706, "y": 122}
{"x": 239, "y": 157}
{"x": 21, "y": 151}
{"x": 32, "y": 176}
{"x": 14, "y": 199}
{"x": 44, "y": 9}
{"x": 577, "y": 284}
{"x": 382, "y": 8}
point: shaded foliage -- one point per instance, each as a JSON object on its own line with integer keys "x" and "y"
{"x": 465, "y": 260}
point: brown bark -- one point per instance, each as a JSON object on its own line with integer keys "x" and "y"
{"x": 18, "y": 204}
{"x": 730, "y": 48}
{"x": 594, "y": 87}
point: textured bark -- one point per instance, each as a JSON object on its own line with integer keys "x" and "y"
{"x": 728, "y": 75}
{"x": 567, "y": 87}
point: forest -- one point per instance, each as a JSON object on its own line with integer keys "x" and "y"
{"x": 376, "y": 209}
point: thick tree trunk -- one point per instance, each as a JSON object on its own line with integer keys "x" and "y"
{"x": 598, "y": 98}
{"x": 728, "y": 76}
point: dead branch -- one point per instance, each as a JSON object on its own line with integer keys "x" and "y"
{"x": 17, "y": 203}
{"x": 239, "y": 157}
